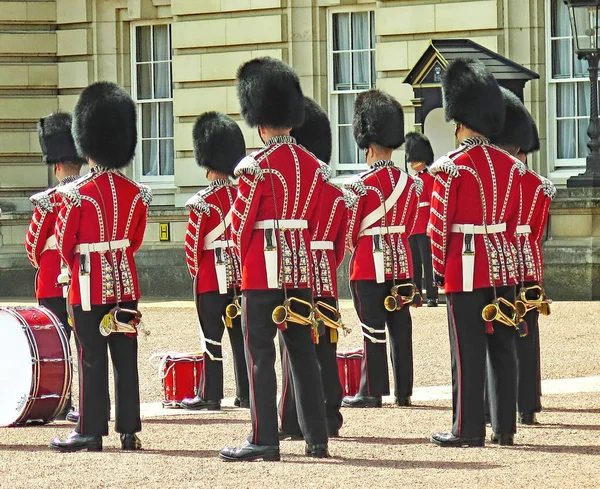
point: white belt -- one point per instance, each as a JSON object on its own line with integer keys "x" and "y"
{"x": 50, "y": 244}
{"x": 281, "y": 224}
{"x": 468, "y": 248}
{"x": 424, "y": 204}
{"x": 227, "y": 243}
{"x": 383, "y": 230}
{"x": 489, "y": 229}
{"x": 102, "y": 246}
{"x": 524, "y": 229}
{"x": 321, "y": 245}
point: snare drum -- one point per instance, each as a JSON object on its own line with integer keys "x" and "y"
{"x": 181, "y": 377}
{"x": 349, "y": 364}
{"x": 35, "y": 365}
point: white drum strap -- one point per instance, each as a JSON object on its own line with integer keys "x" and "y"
{"x": 375, "y": 331}
{"x": 210, "y": 355}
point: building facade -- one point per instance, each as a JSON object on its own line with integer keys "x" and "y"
{"x": 178, "y": 58}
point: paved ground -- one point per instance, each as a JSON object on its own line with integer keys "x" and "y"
{"x": 381, "y": 447}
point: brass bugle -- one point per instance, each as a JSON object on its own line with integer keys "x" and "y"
{"x": 493, "y": 312}
{"x": 111, "y": 324}
{"x": 395, "y": 301}
{"x": 234, "y": 309}
{"x": 541, "y": 302}
{"x": 336, "y": 323}
{"x": 285, "y": 313}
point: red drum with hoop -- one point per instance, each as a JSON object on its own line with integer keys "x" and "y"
{"x": 35, "y": 365}
{"x": 181, "y": 377}
{"x": 349, "y": 364}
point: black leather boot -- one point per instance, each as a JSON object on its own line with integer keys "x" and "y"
{"x": 450, "y": 440}
{"x": 198, "y": 403}
{"x": 76, "y": 442}
{"x": 504, "y": 439}
{"x": 317, "y": 451}
{"x": 359, "y": 401}
{"x": 247, "y": 452}
{"x": 130, "y": 441}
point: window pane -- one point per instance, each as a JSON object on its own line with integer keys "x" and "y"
{"x": 360, "y": 30}
{"x": 341, "y": 71}
{"x": 360, "y": 71}
{"x": 561, "y": 58}
{"x": 560, "y": 19}
{"x": 565, "y": 100}
{"x": 582, "y": 137}
{"x": 341, "y": 32}
{"x": 162, "y": 80}
{"x": 166, "y": 157}
{"x": 580, "y": 67}
{"x": 144, "y": 81}
{"x": 150, "y": 157}
{"x": 142, "y": 43}
{"x": 149, "y": 124}
{"x": 346, "y": 145}
{"x": 161, "y": 43}
{"x": 345, "y": 108}
{"x": 583, "y": 99}
{"x": 165, "y": 117}
{"x": 372, "y": 18}
{"x": 567, "y": 137}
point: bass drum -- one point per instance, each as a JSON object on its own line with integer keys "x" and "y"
{"x": 35, "y": 366}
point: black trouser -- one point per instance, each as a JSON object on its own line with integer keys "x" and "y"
{"x": 93, "y": 374}
{"x": 528, "y": 366}
{"x": 368, "y": 298}
{"x": 58, "y": 305}
{"x": 468, "y": 346}
{"x": 420, "y": 250}
{"x": 332, "y": 387}
{"x": 259, "y": 332}
{"x": 211, "y": 310}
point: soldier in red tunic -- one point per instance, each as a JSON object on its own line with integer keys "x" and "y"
{"x": 474, "y": 217}
{"x": 100, "y": 226}
{"x": 274, "y": 217}
{"x": 519, "y": 137}
{"x": 58, "y": 150}
{"x": 327, "y": 250}
{"x": 214, "y": 266}
{"x": 379, "y": 225}
{"x": 419, "y": 154}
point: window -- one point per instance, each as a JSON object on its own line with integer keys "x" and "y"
{"x": 153, "y": 91}
{"x": 569, "y": 94}
{"x": 351, "y": 47}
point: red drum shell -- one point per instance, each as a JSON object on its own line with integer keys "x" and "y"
{"x": 349, "y": 365}
{"x": 181, "y": 378}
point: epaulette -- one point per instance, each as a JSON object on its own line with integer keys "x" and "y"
{"x": 42, "y": 200}
{"x": 198, "y": 203}
{"x": 548, "y": 188}
{"x": 70, "y": 191}
{"x": 325, "y": 170}
{"x": 444, "y": 165}
{"x": 146, "y": 193}
{"x": 418, "y": 185}
{"x": 357, "y": 185}
{"x": 248, "y": 165}
{"x": 521, "y": 167}
{"x": 350, "y": 198}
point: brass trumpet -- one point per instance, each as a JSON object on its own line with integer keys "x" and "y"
{"x": 234, "y": 309}
{"x": 395, "y": 301}
{"x": 336, "y": 323}
{"x": 541, "y": 302}
{"x": 493, "y": 312}
{"x": 284, "y": 313}
{"x": 110, "y": 322}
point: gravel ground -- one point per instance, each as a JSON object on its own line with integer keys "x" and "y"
{"x": 381, "y": 447}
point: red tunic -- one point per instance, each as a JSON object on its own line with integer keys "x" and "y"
{"x": 457, "y": 199}
{"x": 210, "y": 215}
{"x": 331, "y": 231}
{"x": 536, "y": 195}
{"x": 297, "y": 180}
{"x": 424, "y": 203}
{"x": 371, "y": 189}
{"x": 103, "y": 206}
{"x": 40, "y": 243}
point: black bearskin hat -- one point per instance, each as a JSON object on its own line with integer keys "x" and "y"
{"x": 534, "y": 142}
{"x": 218, "y": 142}
{"x": 315, "y": 133}
{"x": 472, "y": 97}
{"x": 517, "y": 131}
{"x": 56, "y": 140}
{"x": 269, "y": 93}
{"x": 418, "y": 148}
{"x": 104, "y": 125}
{"x": 378, "y": 119}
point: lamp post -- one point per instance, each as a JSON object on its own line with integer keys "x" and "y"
{"x": 584, "y": 15}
